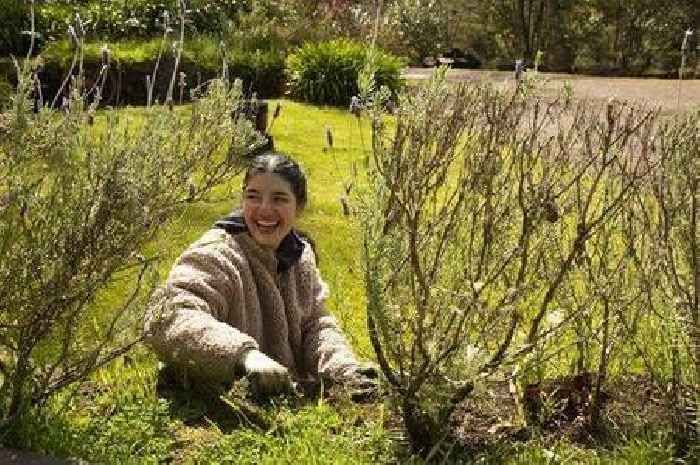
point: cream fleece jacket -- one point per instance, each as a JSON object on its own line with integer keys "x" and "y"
{"x": 224, "y": 296}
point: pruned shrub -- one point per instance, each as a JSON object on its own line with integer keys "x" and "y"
{"x": 81, "y": 193}
{"x": 327, "y": 72}
{"x": 527, "y": 236}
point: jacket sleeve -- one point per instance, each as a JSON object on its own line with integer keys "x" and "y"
{"x": 326, "y": 349}
{"x": 184, "y": 319}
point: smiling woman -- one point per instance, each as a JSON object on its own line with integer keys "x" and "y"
{"x": 247, "y": 299}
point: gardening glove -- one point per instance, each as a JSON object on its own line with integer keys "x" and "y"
{"x": 267, "y": 377}
{"x": 362, "y": 382}
{"x": 368, "y": 369}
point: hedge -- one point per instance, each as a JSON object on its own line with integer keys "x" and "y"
{"x": 132, "y": 61}
{"x": 15, "y": 21}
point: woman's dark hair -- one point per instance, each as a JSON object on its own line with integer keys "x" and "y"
{"x": 283, "y": 166}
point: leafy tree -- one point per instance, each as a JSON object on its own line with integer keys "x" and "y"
{"x": 627, "y": 36}
{"x": 422, "y": 26}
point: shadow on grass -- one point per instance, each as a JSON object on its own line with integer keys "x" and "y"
{"x": 229, "y": 407}
{"x": 233, "y": 406}
{"x": 199, "y": 404}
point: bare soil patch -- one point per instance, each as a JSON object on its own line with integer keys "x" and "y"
{"x": 560, "y": 409}
{"x": 661, "y": 92}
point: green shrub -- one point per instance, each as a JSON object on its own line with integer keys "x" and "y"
{"x": 202, "y": 59}
{"x": 326, "y": 72}
{"x": 262, "y": 72}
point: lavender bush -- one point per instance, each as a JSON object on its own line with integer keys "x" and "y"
{"x": 81, "y": 193}
{"x": 514, "y": 235}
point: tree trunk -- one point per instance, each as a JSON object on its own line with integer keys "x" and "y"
{"x": 421, "y": 431}
{"x": 602, "y": 368}
{"x": 560, "y": 54}
{"x": 524, "y": 29}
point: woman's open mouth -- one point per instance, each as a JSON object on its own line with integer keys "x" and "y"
{"x": 267, "y": 227}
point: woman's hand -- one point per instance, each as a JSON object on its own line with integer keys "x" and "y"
{"x": 368, "y": 370}
{"x": 362, "y": 382}
{"x": 266, "y": 376}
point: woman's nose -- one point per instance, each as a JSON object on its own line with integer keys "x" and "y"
{"x": 266, "y": 203}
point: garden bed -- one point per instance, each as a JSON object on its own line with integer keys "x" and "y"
{"x": 559, "y": 409}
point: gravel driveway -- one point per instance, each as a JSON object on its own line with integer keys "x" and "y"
{"x": 662, "y": 92}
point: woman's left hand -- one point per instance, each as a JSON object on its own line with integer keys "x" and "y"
{"x": 362, "y": 383}
{"x": 368, "y": 370}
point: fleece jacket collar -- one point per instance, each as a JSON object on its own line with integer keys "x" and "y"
{"x": 287, "y": 254}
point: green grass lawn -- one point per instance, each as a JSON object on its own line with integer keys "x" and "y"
{"x": 118, "y": 417}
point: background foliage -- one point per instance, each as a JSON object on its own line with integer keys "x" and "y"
{"x": 109, "y": 20}
{"x": 598, "y": 36}
{"x": 15, "y": 19}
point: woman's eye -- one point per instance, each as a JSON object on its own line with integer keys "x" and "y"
{"x": 252, "y": 197}
{"x": 281, "y": 199}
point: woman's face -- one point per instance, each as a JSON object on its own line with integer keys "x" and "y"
{"x": 269, "y": 209}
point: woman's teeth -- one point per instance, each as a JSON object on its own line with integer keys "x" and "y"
{"x": 267, "y": 227}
